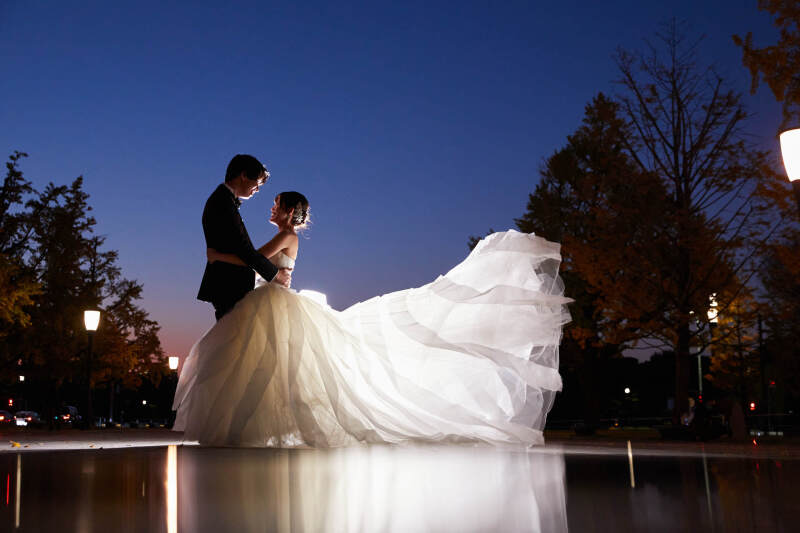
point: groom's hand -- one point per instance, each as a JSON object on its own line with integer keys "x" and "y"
{"x": 283, "y": 277}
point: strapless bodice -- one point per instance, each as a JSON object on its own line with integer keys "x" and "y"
{"x": 281, "y": 260}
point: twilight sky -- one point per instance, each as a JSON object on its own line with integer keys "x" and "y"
{"x": 408, "y": 125}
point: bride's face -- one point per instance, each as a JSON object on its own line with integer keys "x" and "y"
{"x": 277, "y": 215}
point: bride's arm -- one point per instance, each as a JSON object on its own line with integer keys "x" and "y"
{"x": 279, "y": 242}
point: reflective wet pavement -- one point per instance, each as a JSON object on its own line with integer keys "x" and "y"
{"x": 380, "y": 488}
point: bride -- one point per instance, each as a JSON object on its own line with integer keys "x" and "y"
{"x": 469, "y": 357}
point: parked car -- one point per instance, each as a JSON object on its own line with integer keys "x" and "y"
{"x": 6, "y": 418}
{"x": 27, "y": 418}
{"x": 69, "y": 415}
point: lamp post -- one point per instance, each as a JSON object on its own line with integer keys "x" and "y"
{"x": 91, "y": 319}
{"x": 790, "y": 150}
{"x": 713, "y": 319}
{"x": 173, "y": 362}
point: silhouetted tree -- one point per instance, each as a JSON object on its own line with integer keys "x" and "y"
{"x": 687, "y": 132}
{"x": 568, "y": 205}
{"x": 779, "y": 64}
{"x": 17, "y": 286}
{"x": 54, "y": 242}
{"x": 735, "y": 352}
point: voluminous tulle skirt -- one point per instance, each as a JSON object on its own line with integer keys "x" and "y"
{"x": 472, "y": 356}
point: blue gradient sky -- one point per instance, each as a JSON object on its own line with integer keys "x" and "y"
{"x": 409, "y": 126}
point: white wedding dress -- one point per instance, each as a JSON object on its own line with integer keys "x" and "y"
{"x": 472, "y": 356}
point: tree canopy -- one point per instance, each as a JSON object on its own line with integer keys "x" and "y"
{"x": 53, "y": 266}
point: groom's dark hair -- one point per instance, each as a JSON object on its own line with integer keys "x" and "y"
{"x": 252, "y": 168}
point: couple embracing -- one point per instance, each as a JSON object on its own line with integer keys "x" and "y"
{"x": 470, "y": 357}
{"x": 233, "y": 261}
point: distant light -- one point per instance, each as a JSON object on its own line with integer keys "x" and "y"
{"x": 627, "y": 390}
{"x": 91, "y": 320}
{"x": 173, "y": 362}
{"x": 10, "y": 401}
{"x": 790, "y": 150}
{"x": 144, "y": 402}
{"x": 752, "y": 406}
{"x": 22, "y": 378}
{"x": 713, "y": 314}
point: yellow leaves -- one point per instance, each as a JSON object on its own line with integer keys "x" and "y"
{"x": 580, "y": 335}
{"x": 16, "y": 293}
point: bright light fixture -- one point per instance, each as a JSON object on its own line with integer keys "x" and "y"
{"x": 713, "y": 314}
{"x": 22, "y": 378}
{"x": 91, "y": 319}
{"x": 318, "y": 297}
{"x": 173, "y": 362}
{"x": 790, "y": 150}
{"x": 627, "y": 390}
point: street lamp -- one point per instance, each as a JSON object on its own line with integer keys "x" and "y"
{"x": 173, "y": 362}
{"x": 91, "y": 319}
{"x": 713, "y": 313}
{"x": 790, "y": 150}
{"x": 713, "y": 320}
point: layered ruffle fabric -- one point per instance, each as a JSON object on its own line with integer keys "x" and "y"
{"x": 472, "y": 356}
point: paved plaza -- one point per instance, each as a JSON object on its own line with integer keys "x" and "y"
{"x": 148, "y": 480}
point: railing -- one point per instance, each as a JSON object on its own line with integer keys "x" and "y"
{"x": 786, "y": 423}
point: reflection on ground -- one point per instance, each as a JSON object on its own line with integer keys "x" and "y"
{"x": 383, "y": 488}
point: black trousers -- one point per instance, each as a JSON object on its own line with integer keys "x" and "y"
{"x": 222, "y": 308}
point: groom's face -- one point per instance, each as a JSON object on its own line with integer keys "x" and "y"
{"x": 247, "y": 188}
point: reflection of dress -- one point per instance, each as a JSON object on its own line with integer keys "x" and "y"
{"x": 371, "y": 488}
{"x": 472, "y": 356}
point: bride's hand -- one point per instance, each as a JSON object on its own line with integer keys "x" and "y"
{"x": 283, "y": 277}
{"x": 211, "y": 255}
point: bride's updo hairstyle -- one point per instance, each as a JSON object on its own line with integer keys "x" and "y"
{"x": 294, "y": 200}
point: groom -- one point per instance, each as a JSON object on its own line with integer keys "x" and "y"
{"x": 224, "y": 284}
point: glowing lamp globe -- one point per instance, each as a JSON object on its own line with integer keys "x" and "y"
{"x": 713, "y": 315}
{"x": 790, "y": 150}
{"x": 173, "y": 362}
{"x": 91, "y": 319}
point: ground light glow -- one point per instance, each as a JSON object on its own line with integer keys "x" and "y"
{"x": 18, "y": 491}
{"x": 172, "y": 489}
{"x": 630, "y": 465}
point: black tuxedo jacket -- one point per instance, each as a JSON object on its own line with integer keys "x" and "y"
{"x": 225, "y": 232}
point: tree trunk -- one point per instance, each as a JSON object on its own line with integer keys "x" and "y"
{"x": 589, "y": 376}
{"x": 681, "y": 374}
